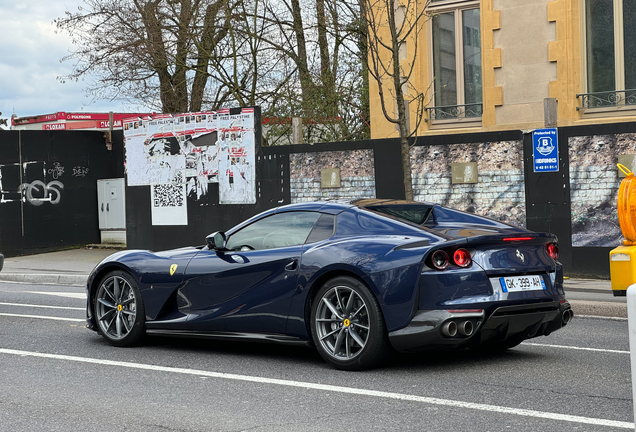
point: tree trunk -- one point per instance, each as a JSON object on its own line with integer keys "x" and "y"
{"x": 403, "y": 120}
{"x": 157, "y": 51}
{"x": 363, "y": 46}
{"x": 205, "y": 49}
{"x": 179, "y": 79}
{"x": 328, "y": 82}
{"x": 306, "y": 84}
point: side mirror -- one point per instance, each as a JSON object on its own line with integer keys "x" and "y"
{"x": 216, "y": 241}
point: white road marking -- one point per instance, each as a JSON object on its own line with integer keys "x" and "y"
{"x": 42, "y": 317}
{"x": 577, "y": 348}
{"x": 60, "y": 294}
{"x": 41, "y": 306}
{"x": 335, "y": 389}
{"x": 601, "y": 317}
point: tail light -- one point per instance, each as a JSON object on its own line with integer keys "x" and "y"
{"x": 440, "y": 260}
{"x": 462, "y": 258}
{"x": 553, "y": 250}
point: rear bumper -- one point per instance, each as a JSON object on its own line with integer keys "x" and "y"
{"x": 433, "y": 329}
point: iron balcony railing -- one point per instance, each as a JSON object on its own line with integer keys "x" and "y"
{"x": 454, "y": 112}
{"x": 606, "y": 99}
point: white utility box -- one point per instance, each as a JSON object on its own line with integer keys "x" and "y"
{"x": 111, "y": 207}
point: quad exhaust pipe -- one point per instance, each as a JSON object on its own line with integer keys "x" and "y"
{"x": 463, "y": 328}
{"x": 449, "y": 329}
{"x": 567, "y": 316}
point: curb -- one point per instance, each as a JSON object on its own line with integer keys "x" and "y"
{"x": 599, "y": 309}
{"x": 45, "y": 279}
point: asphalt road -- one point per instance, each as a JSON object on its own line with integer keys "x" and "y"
{"x": 55, "y": 375}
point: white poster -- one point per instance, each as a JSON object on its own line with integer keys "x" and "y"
{"x": 236, "y": 155}
{"x": 180, "y": 155}
{"x": 169, "y": 203}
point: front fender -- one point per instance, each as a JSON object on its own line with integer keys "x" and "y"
{"x": 158, "y": 275}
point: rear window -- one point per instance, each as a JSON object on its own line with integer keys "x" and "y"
{"x": 412, "y": 213}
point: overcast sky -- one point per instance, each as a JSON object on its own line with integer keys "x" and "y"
{"x": 30, "y": 53}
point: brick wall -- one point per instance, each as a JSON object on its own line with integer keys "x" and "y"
{"x": 357, "y": 175}
{"x": 499, "y": 193}
{"x": 594, "y": 184}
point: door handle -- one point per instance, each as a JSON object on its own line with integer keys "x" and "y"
{"x": 107, "y": 206}
{"x": 102, "y": 206}
{"x": 291, "y": 266}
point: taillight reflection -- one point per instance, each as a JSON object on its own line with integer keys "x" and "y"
{"x": 553, "y": 250}
{"x": 440, "y": 260}
{"x": 462, "y": 258}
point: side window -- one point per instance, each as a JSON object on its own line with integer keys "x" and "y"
{"x": 323, "y": 229}
{"x": 279, "y": 230}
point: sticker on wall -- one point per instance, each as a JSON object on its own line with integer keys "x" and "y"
{"x": 330, "y": 178}
{"x": 545, "y": 150}
{"x": 464, "y": 172}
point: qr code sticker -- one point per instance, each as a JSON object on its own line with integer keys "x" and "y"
{"x": 168, "y": 195}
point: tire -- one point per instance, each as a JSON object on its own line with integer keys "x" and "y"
{"x": 347, "y": 325}
{"x": 119, "y": 310}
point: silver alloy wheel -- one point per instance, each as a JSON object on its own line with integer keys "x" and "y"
{"x": 116, "y": 307}
{"x": 342, "y": 323}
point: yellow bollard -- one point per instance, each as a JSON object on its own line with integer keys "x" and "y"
{"x": 623, "y": 258}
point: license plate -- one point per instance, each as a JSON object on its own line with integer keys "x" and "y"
{"x": 521, "y": 283}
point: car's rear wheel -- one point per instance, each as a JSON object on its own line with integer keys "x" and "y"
{"x": 347, "y": 325}
{"x": 119, "y": 310}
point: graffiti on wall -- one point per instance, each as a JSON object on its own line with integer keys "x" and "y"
{"x": 184, "y": 153}
{"x": 79, "y": 171}
{"x": 34, "y": 192}
{"x": 57, "y": 170}
{"x": 37, "y": 192}
{"x": 594, "y": 184}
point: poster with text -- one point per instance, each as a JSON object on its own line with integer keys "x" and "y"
{"x": 180, "y": 155}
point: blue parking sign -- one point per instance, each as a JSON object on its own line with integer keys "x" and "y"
{"x": 545, "y": 150}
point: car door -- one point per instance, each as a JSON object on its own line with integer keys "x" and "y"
{"x": 248, "y": 288}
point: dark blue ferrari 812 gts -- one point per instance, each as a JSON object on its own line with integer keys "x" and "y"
{"x": 355, "y": 280}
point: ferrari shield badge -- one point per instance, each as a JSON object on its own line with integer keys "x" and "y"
{"x": 173, "y": 268}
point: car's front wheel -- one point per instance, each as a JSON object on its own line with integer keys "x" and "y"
{"x": 119, "y": 310}
{"x": 347, "y": 325}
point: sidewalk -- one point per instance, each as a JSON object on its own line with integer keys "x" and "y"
{"x": 72, "y": 267}
{"x": 69, "y": 267}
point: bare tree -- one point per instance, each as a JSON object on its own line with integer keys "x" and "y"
{"x": 156, "y": 51}
{"x": 294, "y": 58}
{"x": 392, "y": 71}
{"x": 320, "y": 39}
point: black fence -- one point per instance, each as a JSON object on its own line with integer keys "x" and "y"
{"x": 49, "y": 198}
{"x": 49, "y": 188}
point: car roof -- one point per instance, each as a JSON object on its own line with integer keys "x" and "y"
{"x": 318, "y": 206}
{"x": 336, "y": 207}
